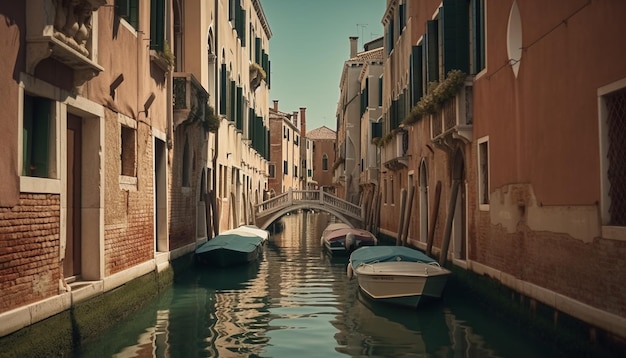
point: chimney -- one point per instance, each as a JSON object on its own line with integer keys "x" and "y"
{"x": 353, "y": 46}
{"x": 303, "y": 120}
{"x": 294, "y": 118}
{"x": 276, "y": 105}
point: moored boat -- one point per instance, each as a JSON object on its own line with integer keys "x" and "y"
{"x": 397, "y": 274}
{"x": 342, "y": 239}
{"x": 238, "y": 246}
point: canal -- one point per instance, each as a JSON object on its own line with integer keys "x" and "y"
{"x": 298, "y": 302}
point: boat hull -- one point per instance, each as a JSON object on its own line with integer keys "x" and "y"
{"x": 404, "y": 283}
{"x": 233, "y": 247}
{"x": 224, "y": 257}
{"x": 343, "y": 241}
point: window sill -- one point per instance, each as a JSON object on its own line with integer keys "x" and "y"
{"x": 128, "y": 183}
{"x": 40, "y": 185}
{"x": 614, "y": 233}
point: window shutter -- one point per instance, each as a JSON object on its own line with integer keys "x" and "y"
{"x": 257, "y": 50}
{"x": 432, "y": 59}
{"x": 239, "y": 109}
{"x": 157, "y": 28}
{"x": 455, "y": 35}
{"x": 416, "y": 74}
{"x": 223, "y": 89}
{"x": 233, "y": 101}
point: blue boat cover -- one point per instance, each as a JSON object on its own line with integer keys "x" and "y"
{"x": 231, "y": 241}
{"x": 372, "y": 254}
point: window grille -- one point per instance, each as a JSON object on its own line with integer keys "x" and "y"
{"x": 616, "y": 124}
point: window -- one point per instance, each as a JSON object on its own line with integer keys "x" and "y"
{"x": 380, "y": 91}
{"x": 483, "y": 173}
{"x": 128, "y": 155}
{"x": 415, "y": 70}
{"x": 613, "y": 128}
{"x": 39, "y": 140}
{"x": 454, "y": 36}
{"x": 295, "y": 171}
{"x": 272, "y": 169}
{"x": 477, "y": 35}
{"x": 324, "y": 162}
{"x": 157, "y": 25}
{"x": 377, "y": 129}
{"x": 129, "y": 11}
{"x": 285, "y": 168}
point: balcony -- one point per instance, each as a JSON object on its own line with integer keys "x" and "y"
{"x": 394, "y": 155}
{"x": 454, "y": 120}
{"x": 190, "y": 99}
{"x": 63, "y": 31}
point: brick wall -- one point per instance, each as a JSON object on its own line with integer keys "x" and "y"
{"x": 29, "y": 250}
{"x": 183, "y": 200}
{"x": 129, "y": 215}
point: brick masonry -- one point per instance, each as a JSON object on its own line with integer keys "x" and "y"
{"x": 29, "y": 250}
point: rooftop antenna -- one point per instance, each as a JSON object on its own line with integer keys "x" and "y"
{"x": 361, "y": 26}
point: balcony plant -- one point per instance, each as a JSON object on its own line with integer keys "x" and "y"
{"x": 438, "y": 94}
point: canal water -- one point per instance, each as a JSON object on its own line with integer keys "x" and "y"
{"x": 298, "y": 302}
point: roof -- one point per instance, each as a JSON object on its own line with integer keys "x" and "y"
{"x": 322, "y": 132}
{"x": 375, "y": 54}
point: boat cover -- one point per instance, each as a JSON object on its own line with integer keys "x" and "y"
{"x": 372, "y": 254}
{"x": 341, "y": 234}
{"x": 242, "y": 242}
{"x": 249, "y": 229}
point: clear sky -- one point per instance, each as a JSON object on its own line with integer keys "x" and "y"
{"x": 309, "y": 44}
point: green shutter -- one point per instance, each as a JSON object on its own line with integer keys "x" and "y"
{"x": 268, "y": 74}
{"x": 432, "y": 50}
{"x": 416, "y": 74}
{"x": 257, "y": 50}
{"x": 36, "y": 136}
{"x": 239, "y": 111}
{"x": 380, "y": 91}
{"x": 223, "y": 89}
{"x": 233, "y": 101}
{"x": 478, "y": 43}
{"x": 455, "y": 35}
{"x": 157, "y": 28}
{"x": 243, "y": 26}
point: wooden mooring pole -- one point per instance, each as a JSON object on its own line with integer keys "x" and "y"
{"x": 401, "y": 223}
{"x": 435, "y": 215}
{"x": 407, "y": 217}
{"x": 448, "y": 233}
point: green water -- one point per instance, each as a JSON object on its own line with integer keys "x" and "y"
{"x": 298, "y": 302}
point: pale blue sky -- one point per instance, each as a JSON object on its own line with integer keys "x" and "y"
{"x": 308, "y": 47}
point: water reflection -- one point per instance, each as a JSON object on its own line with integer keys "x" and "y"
{"x": 298, "y": 302}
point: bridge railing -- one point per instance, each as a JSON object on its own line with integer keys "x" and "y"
{"x": 319, "y": 197}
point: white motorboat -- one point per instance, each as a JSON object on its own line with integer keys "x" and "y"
{"x": 397, "y": 274}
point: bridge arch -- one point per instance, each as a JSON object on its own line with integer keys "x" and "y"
{"x": 265, "y": 222}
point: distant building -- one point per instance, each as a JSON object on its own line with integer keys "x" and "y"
{"x": 323, "y": 140}
{"x": 287, "y": 159}
{"x": 358, "y": 108}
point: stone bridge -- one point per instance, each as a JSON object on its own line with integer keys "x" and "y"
{"x": 271, "y": 210}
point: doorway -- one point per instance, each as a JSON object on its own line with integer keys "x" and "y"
{"x": 72, "y": 261}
